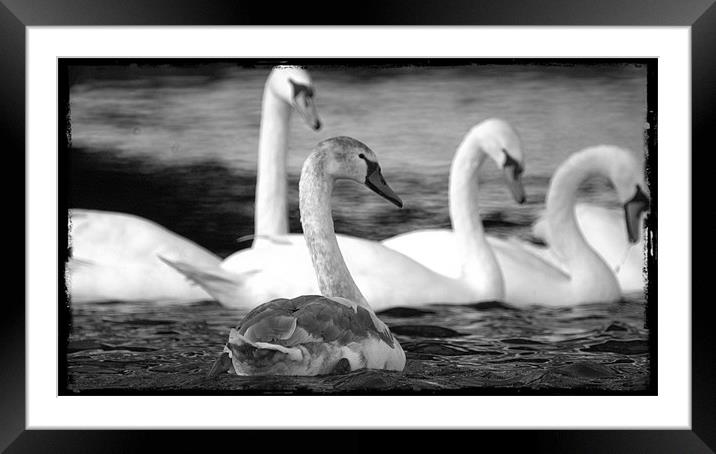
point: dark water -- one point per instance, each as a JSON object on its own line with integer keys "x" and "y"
{"x": 178, "y": 146}
{"x": 477, "y": 348}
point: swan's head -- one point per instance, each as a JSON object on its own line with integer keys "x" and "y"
{"x": 294, "y": 86}
{"x": 627, "y": 177}
{"x": 499, "y": 140}
{"x": 348, "y": 158}
{"x": 513, "y": 169}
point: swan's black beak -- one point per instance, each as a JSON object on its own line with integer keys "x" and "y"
{"x": 632, "y": 214}
{"x": 307, "y": 109}
{"x": 221, "y": 365}
{"x": 377, "y": 183}
{"x": 304, "y": 104}
{"x": 513, "y": 176}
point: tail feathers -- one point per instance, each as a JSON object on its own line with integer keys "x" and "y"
{"x": 221, "y": 365}
{"x": 75, "y": 263}
{"x": 222, "y": 285}
{"x": 544, "y": 257}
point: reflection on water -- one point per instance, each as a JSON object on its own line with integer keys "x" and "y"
{"x": 179, "y": 147}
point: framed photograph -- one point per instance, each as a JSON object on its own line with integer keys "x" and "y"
{"x": 179, "y": 177}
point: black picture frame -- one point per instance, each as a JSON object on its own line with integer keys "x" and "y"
{"x": 700, "y": 15}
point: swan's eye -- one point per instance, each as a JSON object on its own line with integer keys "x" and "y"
{"x": 372, "y": 165}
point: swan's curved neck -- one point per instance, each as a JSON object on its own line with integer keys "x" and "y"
{"x": 479, "y": 265}
{"x": 565, "y": 235}
{"x": 271, "y": 211}
{"x": 315, "y": 189}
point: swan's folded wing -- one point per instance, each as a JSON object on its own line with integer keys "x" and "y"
{"x": 317, "y": 319}
{"x": 282, "y": 321}
{"x": 528, "y": 257}
{"x": 546, "y": 254}
{"x": 333, "y": 320}
{"x": 218, "y": 282}
{"x": 272, "y": 329}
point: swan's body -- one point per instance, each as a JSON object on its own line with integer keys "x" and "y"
{"x": 114, "y": 258}
{"x": 443, "y": 250}
{"x": 603, "y": 228}
{"x": 281, "y": 267}
{"x": 312, "y": 335}
{"x": 582, "y": 276}
{"x": 438, "y": 249}
{"x": 114, "y": 255}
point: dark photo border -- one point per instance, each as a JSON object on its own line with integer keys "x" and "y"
{"x": 700, "y": 15}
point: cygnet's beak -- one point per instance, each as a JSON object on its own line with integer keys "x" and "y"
{"x": 377, "y": 183}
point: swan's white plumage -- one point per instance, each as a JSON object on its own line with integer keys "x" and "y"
{"x": 538, "y": 275}
{"x": 465, "y": 252}
{"x": 570, "y": 271}
{"x": 603, "y": 229}
{"x": 114, "y": 257}
{"x": 275, "y": 269}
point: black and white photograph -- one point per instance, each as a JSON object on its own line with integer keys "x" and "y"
{"x": 394, "y": 226}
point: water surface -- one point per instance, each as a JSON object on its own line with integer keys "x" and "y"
{"x": 468, "y": 348}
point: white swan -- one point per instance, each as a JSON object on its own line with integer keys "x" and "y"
{"x": 442, "y": 250}
{"x": 114, "y": 255}
{"x": 314, "y": 335}
{"x": 583, "y": 276}
{"x": 603, "y": 228}
{"x": 287, "y": 88}
{"x": 114, "y": 259}
{"x": 281, "y": 267}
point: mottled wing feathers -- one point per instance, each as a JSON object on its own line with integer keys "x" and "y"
{"x": 272, "y": 329}
{"x": 331, "y": 321}
{"x": 264, "y": 310}
{"x": 310, "y": 318}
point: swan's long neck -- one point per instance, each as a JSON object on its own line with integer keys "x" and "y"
{"x": 315, "y": 189}
{"x": 479, "y": 265}
{"x": 565, "y": 236}
{"x": 271, "y": 211}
